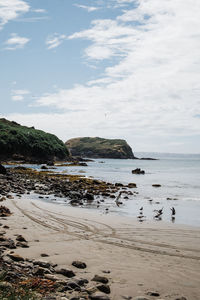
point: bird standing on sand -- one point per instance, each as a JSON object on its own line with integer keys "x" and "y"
{"x": 173, "y": 211}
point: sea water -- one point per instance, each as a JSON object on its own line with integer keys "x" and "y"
{"x": 178, "y": 175}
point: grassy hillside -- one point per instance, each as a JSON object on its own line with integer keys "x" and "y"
{"x": 18, "y": 141}
{"x": 99, "y": 148}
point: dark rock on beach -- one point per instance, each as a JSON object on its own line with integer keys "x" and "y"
{"x": 79, "y": 264}
{"x": 66, "y": 272}
{"x": 101, "y": 279}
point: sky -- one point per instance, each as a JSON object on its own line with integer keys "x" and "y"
{"x": 126, "y": 69}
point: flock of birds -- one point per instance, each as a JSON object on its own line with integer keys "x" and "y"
{"x": 141, "y": 217}
{"x": 158, "y": 214}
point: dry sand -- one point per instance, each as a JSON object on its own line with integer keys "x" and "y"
{"x": 141, "y": 257}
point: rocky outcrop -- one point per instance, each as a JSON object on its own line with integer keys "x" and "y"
{"x": 26, "y": 143}
{"x": 100, "y": 148}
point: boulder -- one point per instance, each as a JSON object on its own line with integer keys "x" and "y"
{"x": 2, "y": 170}
{"x": 138, "y": 171}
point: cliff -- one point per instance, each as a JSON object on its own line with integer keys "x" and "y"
{"x": 27, "y": 143}
{"x": 99, "y": 148}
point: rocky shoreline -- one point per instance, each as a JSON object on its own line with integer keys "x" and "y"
{"x": 29, "y": 279}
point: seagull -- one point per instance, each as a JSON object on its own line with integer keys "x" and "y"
{"x": 159, "y": 211}
{"x": 117, "y": 199}
{"x": 173, "y": 211}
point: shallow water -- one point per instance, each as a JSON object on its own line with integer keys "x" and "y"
{"x": 178, "y": 175}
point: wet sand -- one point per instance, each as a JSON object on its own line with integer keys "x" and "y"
{"x": 141, "y": 257}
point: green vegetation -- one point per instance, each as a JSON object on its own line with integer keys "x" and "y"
{"x": 18, "y": 141}
{"x": 99, "y": 148}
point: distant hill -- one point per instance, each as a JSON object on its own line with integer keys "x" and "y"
{"x": 27, "y": 143}
{"x": 99, "y": 148}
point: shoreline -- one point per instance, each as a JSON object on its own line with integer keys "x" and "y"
{"x": 141, "y": 257}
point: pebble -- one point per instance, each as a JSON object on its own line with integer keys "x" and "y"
{"x": 101, "y": 279}
{"x": 104, "y": 288}
{"x": 79, "y": 264}
{"x": 65, "y": 272}
{"x": 154, "y": 294}
{"x": 99, "y": 296}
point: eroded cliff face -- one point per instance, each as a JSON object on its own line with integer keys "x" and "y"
{"x": 27, "y": 143}
{"x": 99, "y": 148}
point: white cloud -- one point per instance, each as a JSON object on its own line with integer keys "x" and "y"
{"x": 11, "y": 9}
{"x": 18, "y": 95}
{"x": 16, "y": 42}
{"x": 88, "y": 8}
{"x": 55, "y": 40}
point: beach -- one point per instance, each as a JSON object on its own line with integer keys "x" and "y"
{"x": 139, "y": 259}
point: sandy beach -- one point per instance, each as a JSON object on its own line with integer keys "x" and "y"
{"x": 138, "y": 258}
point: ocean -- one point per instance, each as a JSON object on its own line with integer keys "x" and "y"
{"x": 178, "y": 175}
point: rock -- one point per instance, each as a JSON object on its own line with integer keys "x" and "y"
{"x": 89, "y": 196}
{"x": 16, "y": 257}
{"x": 51, "y": 277}
{"x": 81, "y": 281}
{"x": 44, "y": 255}
{"x": 99, "y": 296}
{"x": 8, "y": 243}
{"x": 101, "y": 279}
{"x": 39, "y": 271}
{"x": 141, "y": 298}
{"x": 79, "y": 264}
{"x": 153, "y": 294}
{"x": 156, "y": 185}
{"x": 4, "y": 211}
{"x": 73, "y": 285}
{"x": 2, "y": 199}
{"x": 91, "y": 290}
{"x": 138, "y": 171}
{"x": 181, "y": 298}
{"x": 104, "y": 288}
{"x": 132, "y": 185}
{"x": 83, "y": 164}
{"x": 147, "y": 158}
{"x": 44, "y": 168}
{"x": 42, "y": 264}
{"x": 66, "y": 272}
{"x": 118, "y": 184}
{"x": 2, "y": 170}
{"x": 22, "y": 244}
{"x": 20, "y": 238}
{"x": 5, "y": 286}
